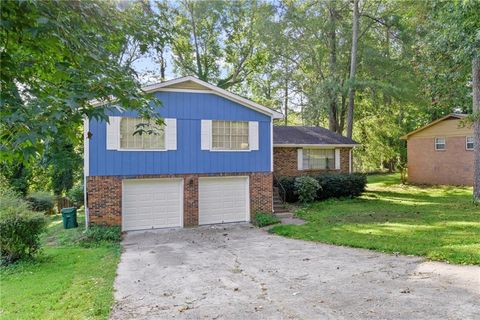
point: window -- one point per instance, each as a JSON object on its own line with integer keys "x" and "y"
{"x": 469, "y": 143}
{"x": 439, "y": 143}
{"x": 129, "y": 140}
{"x": 229, "y": 135}
{"x": 318, "y": 159}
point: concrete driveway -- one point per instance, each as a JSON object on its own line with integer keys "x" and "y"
{"x": 239, "y": 272}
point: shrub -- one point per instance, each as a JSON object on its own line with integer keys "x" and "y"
{"x": 76, "y": 195}
{"x": 332, "y": 185}
{"x": 41, "y": 201}
{"x": 101, "y": 233}
{"x": 340, "y": 185}
{"x": 306, "y": 187}
{"x": 265, "y": 219}
{"x": 287, "y": 189}
{"x": 20, "y": 228}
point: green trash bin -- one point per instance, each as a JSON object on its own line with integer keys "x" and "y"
{"x": 69, "y": 218}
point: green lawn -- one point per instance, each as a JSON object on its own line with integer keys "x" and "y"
{"x": 66, "y": 281}
{"x": 440, "y": 223}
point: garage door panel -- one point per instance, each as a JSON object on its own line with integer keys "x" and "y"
{"x": 152, "y": 203}
{"x": 223, "y": 200}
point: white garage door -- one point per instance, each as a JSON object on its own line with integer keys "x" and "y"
{"x": 223, "y": 199}
{"x": 152, "y": 203}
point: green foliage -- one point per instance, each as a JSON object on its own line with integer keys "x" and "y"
{"x": 439, "y": 223}
{"x": 341, "y": 185}
{"x": 76, "y": 195}
{"x": 331, "y": 185}
{"x": 16, "y": 176}
{"x": 96, "y": 234}
{"x": 265, "y": 219}
{"x": 41, "y": 201}
{"x": 19, "y": 228}
{"x": 306, "y": 187}
{"x": 56, "y": 58}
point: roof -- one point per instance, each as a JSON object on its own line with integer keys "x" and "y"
{"x": 308, "y": 136}
{"x": 193, "y": 84}
{"x": 447, "y": 117}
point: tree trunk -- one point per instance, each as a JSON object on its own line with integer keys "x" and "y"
{"x": 476, "y": 126}
{"x": 353, "y": 67}
{"x": 286, "y": 102}
{"x": 332, "y": 112}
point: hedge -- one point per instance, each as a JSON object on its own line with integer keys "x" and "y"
{"x": 332, "y": 185}
{"x": 41, "y": 201}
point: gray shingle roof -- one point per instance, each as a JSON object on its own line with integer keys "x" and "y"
{"x": 297, "y": 135}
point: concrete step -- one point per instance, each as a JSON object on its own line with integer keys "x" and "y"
{"x": 283, "y": 215}
{"x": 280, "y": 210}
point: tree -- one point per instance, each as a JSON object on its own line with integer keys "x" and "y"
{"x": 56, "y": 58}
{"x": 353, "y": 68}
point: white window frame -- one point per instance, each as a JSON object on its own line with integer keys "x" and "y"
{"x": 466, "y": 143}
{"x": 333, "y": 166}
{"x": 136, "y": 149}
{"x": 230, "y": 150}
{"x": 444, "y": 144}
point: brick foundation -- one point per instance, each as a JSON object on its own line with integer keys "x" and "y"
{"x": 104, "y": 196}
{"x": 285, "y": 162}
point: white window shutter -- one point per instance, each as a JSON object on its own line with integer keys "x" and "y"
{"x": 170, "y": 134}
{"x": 300, "y": 159}
{"x": 337, "y": 159}
{"x": 253, "y": 135}
{"x": 206, "y": 134}
{"x": 113, "y": 133}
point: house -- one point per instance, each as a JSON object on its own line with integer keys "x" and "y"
{"x": 212, "y": 162}
{"x": 441, "y": 152}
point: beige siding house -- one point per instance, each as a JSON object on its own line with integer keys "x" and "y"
{"x": 441, "y": 152}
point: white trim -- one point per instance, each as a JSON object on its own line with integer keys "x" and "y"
{"x": 271, "y": 147}
{"x": 337, "y": 159}
{"x": 205, "y": 134}
{"x": 350, "y": 161}
{"x": 253, "y": 136}
{"x": 300, "y": 159}
{"x": 466, "y": 143}
{"x": 212, "y": 89}
{"x": 170, "y": 133}
{"x": 86, "y": 166}
{"x": 444, "y": 143}
{"x": 181, "y": 190}
{"x": 319, "y": 146}
{"x": 112, "y": 139}
{"x": 142, "y": 150}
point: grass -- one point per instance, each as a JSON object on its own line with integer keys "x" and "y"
{"x": 66, "y": 281}
{"x": 439, "y": 223}
{"x": 265, "y": 219}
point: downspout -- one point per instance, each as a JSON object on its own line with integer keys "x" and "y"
{"x": 86, "y": 163}
{"x": 350, "y": 160}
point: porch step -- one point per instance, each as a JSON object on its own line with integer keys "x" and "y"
{"x": 284, "y": 215}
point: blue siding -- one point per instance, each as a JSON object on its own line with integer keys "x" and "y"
{"x": 189, "y": 109}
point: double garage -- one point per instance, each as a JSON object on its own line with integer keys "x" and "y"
{"x": 159, "y": 203}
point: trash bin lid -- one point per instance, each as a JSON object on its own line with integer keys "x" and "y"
{"x": 68, "y": 210}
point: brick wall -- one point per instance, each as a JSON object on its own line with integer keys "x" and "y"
{"x": 105, "y": 196}
{"x": 452, "y": 166}
{"x": 285, "y": 162}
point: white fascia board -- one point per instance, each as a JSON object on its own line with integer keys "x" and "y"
{"x": 211, "y": 89}
{"x": 316, "y": 145}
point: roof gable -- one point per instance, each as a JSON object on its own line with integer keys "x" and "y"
{"x": 433, "y": 123}
{"x": 192, "y": 84}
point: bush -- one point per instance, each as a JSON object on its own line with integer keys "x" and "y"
{"x": 76, "y": 195}
{"x": 265, "y": 219}
{"x": 332, "y": 185}
{"x": 41, "y": 201}
{"x": 101, "y": 233}
{"x": 287, "y": 189}
{"x": 340, "y": 185}
{"x": 306, "y": 187}
{"x": 20, "y": 228}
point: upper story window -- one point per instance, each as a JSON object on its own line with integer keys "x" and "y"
{"x": 230, "y": 135}
{"x": 469, "y": 143}
{"x": 152, "y": 139}
{"x": 317, "y": 159}
{"x": 440, "y": 144}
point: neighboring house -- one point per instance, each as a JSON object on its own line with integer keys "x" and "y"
{"x": 212, "y": 162}
{"x": 310, "y": 150}
{"x": 441, "y": 152}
